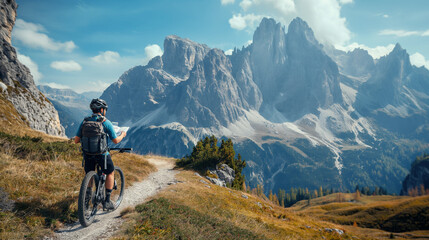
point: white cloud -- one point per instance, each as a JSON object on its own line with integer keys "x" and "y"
{"x": 229, "y": 52}
{"x": 152, "y": 51}
{"x": 323, "y": 16}
{"x": 57, "y": 85}
{"x": 226, "y": 2}
{"x": 33, "y": 36}
{"x": 376, "y": 52}
{"x": 403, "y": 33}
{"x": 66, "y": 66}
{"x": 34, "y": 68}
{"x": 240, "y": 22}
{"x": 399, "y": 33}
{"x": 345, "y": 1}
{"x": 279, "y": 8}
{"x": 419, "y": 60}
{"x": 386, "y": 16}
{"x": 99, "y": 86}
{"x": 106, "y": 57}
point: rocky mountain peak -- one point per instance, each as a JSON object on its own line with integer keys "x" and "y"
{"x": 398, "y": 49}
{"x": 396, "y": 66}
{"x": 155, "y": 62}
{"x": 268, "y": 55}
{"x": 300, "y": 31}
{"x": 267, "y": 30}
{"x": 211, "y": 96}
{"x": 385, "y": 91}
{"x": 217, "y": 60}
{"x": 181, "y": 55}
{"x": 358, "y": 63}
{"x": 269, "y": 41}
{"x": 401, "y": 56}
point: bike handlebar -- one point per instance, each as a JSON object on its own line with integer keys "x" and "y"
{"x": 121, "y": 150}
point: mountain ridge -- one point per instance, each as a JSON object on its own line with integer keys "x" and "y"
{"x": 285, "y": 101}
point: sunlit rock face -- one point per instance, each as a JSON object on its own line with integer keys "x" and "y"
{"x": 20, "y": 89}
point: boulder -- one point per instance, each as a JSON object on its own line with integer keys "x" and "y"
{"x": 217, "y": 181}
{"x": 224, "y": 175}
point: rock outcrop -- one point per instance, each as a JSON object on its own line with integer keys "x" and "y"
{"x": 418, "y": 179}
{"x": 211, "y": 96}
{"x": 18, "y": 83}
{"x": 224, "y": 175}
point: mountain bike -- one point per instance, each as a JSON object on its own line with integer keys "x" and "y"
{"x": 92, "y": 192}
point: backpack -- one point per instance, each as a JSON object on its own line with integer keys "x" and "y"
{"x": 94, "y": 139}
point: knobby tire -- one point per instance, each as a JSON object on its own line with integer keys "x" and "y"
{"x": 118, "y": 194}
{"x": 84, "y": 221}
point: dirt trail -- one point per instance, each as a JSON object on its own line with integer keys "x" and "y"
{"x": 106, "y": 224}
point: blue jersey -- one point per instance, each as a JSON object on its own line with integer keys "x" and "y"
{"x": 107, "y": 125}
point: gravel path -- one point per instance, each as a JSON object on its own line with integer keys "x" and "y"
{"x": 105, "y": 224}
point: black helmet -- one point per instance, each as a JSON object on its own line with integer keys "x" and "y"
{"x": 97, "y": 104}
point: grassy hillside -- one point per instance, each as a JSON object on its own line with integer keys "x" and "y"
{"x": 389, "y": 213}
{"x": 196, "y": 209}
{"x": 40, "y": 180}
{"x": 177, "y": 213}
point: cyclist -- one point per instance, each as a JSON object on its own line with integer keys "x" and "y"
{"x": 99, "y": 108}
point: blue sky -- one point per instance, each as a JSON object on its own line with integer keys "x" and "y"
{"x": 86, "y": 45}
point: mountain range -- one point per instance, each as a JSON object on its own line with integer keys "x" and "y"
{"x": 72, "y": 107}
{"x": 300, "y": 113}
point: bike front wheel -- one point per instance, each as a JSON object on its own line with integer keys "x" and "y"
{"x": 118, "y": 187}
{"x": 87, "y": 202}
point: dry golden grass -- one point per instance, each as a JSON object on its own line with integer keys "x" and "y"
{"x": 8, "y": 114}
{"x": 263, "y": 218}
{"x": 254, "y": 214}
{"x": 135, "y": 167}
{"x": 391, "y": 213}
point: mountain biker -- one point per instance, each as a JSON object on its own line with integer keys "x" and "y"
{"x": 99, "y": 108}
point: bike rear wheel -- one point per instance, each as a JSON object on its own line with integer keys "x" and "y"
{"x": 118, "y": 188}
{"x": 87, "y": 203}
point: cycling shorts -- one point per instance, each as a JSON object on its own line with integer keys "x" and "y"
{"x": 91, "y": 160}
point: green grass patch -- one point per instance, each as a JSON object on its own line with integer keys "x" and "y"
{"x": 34, "y": 149}
{"x": 163, "y": 219}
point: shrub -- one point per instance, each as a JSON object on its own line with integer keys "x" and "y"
{"x": 207, "y": 154}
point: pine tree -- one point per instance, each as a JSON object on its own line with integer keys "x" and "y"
{"x": 207, "y": 154}
{"x": 276, "y": 200}
{"x": 227, "y": 153}
{"x": 282, "y": 197}
{"x": 422, "y": 190}
{"x": 357, "y": 195}
{"x": 315, "y": 194}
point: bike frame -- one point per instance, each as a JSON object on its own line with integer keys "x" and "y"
{"x": 100, "y": 182}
